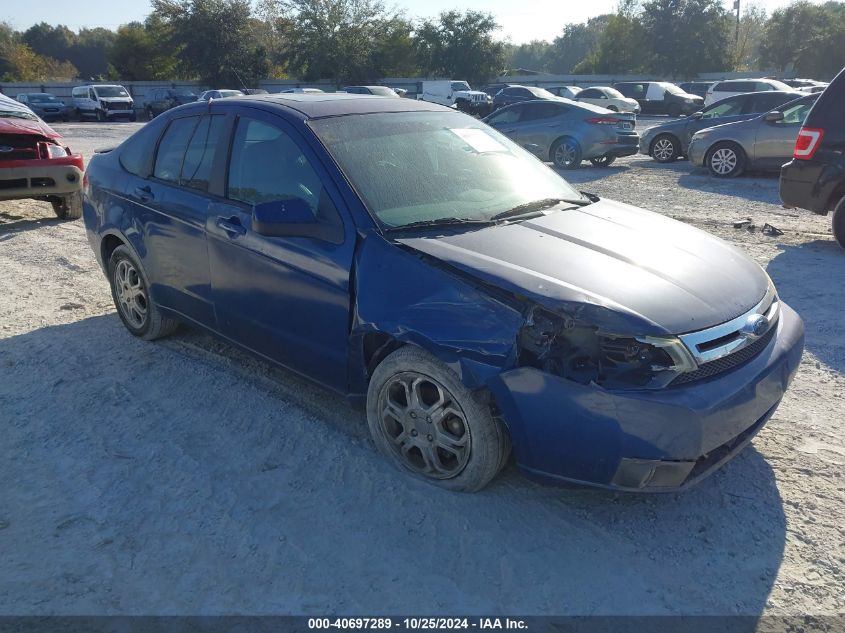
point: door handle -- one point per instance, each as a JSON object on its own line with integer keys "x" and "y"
{"x": 231, "y": 226}
{"x": 144, "y": 193}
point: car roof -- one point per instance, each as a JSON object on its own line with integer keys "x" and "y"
{"x": 327, "y": 104}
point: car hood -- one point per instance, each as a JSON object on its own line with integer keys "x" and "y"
{"x": 661, "y": 276}
{"x": 36, "y": 127}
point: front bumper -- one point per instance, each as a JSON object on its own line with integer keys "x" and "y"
{"x": 659, "y": 440}
{"x": 696, "y": 151}
{"x": 43, "y": 177}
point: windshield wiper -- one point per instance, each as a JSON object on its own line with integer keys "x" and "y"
{"x": 439, "y": 222}
{"x": 534, "y": 208}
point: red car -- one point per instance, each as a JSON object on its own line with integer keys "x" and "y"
{"x": 35, "y": 163}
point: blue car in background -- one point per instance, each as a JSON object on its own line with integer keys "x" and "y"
{"x": 48, "y": 107}
{"x": 415, "y": 260}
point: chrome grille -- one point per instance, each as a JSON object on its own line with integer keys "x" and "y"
{"x": 726, "y": 363}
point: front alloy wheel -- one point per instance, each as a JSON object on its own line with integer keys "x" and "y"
{"x": 603, "y": 161}
{"x": 665, "y": 149}
{"x": 425, "y": 420}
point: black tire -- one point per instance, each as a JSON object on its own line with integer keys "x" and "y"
{"x": 68, "y": 207}
{"x": 150, "y": 114}
{"x": 152, "y": 324}
{"x": 603, "y": 161}
{"x": 566, "y": 153}
{"x": 725, "y": 160}
{"x": 674, "y": 110}
{"x": 838, "y": 222}
{"x": 133, "y": 117}
{"x": 665, "y": 148}
{"x": 101, "y": 116}
{"x": 66, "y": 117}
{"x": 486, "y": 445}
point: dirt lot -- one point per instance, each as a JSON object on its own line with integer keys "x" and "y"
{"x": 183, "y": 477}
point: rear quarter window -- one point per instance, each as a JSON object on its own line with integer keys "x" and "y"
{"x": 137, "y": 151}
{"x": 829, "y": 110}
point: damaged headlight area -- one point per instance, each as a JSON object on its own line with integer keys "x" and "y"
{"x": 564, "y": 347}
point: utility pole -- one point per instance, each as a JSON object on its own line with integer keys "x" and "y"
{"x": 736, "y": 6}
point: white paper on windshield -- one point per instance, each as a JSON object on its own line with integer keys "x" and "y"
{"x": 478, "y": 140}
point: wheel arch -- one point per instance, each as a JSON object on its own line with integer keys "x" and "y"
{"x": 657, "y": 136}
{"x": 555, "y": 143}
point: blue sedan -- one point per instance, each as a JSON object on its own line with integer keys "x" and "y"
{"x": 420, "y": 263}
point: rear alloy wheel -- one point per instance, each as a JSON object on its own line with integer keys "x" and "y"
{"x": 603, "y": 161}
{"x": 130, "y": 291}
{"x": 425, "y": 420}
{"x": 68, "y": 207}
{"x": 566, "y": 153}
{"x": 839, "y": 223}
{"x": 725, "y": 160}
{"x": 665, "y": 149}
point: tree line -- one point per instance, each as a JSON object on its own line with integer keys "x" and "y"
{"x": 233, "y": 43}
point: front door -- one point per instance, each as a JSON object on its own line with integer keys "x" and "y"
{"x": 776, "y": 139}
{"x": 286, "y": 298}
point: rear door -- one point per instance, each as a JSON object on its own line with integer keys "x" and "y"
{"x": 286, "y": 298}
{"x": 173, "y": 204}
{"x": 540, "y": 125}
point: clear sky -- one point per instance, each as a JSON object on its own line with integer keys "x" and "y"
{"x": 521, "y": 20}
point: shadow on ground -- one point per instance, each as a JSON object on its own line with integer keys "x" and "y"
{"x": 815, "y": 296}
{"x": 185, "y": 477}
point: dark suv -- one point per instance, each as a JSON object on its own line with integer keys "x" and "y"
{"x": 815, "y": 177}
{"x": 162, "y": 99}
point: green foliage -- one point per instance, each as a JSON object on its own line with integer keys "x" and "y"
{"x": 86, "y": 50}
{"x": 137, "y": 53}
{"x": 686, "y": 37}
{"x": 532, "y": 56}
{"x": 212, "y": 40}
{"x": 808, "y": 37}
{"x": 347, "y": 41}
{"x": 575, "y": 43}
{"x": 461, "y": 46}
{"x": 19, "y": 62}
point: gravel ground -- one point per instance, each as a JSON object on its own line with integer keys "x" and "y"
{"x": 184, "y": 477}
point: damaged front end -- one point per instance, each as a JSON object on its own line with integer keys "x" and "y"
{"x": 582, "y": 352}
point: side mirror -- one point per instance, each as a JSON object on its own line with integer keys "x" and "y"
{"x": 775, "y": 116}
{"x": 293, "y": 217}
{"x": 696, "y": 115}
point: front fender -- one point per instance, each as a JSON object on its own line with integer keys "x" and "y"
{"x": 413, "y": 300}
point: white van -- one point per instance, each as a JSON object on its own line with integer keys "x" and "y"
{"x": 103, "y": 102}
{"x": 456, "y": 94}
{"x": 731, "y": 87}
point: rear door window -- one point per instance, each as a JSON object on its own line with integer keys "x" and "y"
{"x": 539, "y": 111}
{"x": 199, "y": 157}
{"x": 510, "y": 115}
{"x": 171, "y": 149}
{"x": 726, "y": 107}
{"x": 592, "y": 93}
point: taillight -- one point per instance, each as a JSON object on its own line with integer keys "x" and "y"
{"x": 807, "y": 142}
{"x": 603, "y": 120}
